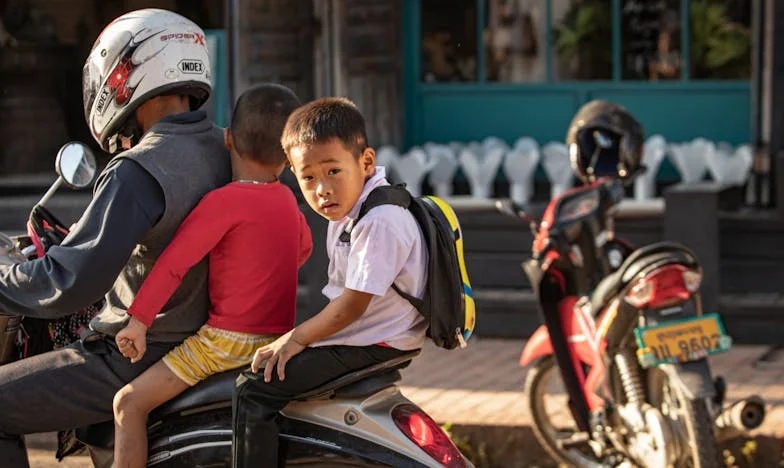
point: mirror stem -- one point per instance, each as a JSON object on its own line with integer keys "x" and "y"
{"x": 50, "y": 193}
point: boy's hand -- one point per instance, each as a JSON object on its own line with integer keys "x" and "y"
{"x": 132, "y": 340}
{"x": 277, "y": 354}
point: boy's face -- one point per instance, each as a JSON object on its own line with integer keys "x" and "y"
{"x": 330, "y": 177}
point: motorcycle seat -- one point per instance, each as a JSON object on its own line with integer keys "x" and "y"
{"x": 219, "y": 388}
{"x": 641, "y": 259}
{"x": 216, "y": 392}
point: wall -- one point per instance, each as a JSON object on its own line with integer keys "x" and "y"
{"x": 276, "y": 45}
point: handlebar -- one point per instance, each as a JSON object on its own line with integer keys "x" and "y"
{"x": 509, "y": 207}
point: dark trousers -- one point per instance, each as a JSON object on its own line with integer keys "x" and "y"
{"x": 256, "y": 403}
{"x": 63, "y": 389}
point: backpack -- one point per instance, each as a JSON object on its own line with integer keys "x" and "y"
{"x": 448, "y": 302}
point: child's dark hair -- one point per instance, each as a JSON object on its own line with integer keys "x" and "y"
{"x": 258, "y": 120}
{"x": 324, "y": 119}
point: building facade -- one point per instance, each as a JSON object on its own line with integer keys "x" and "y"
{"x": 441, "y": 71}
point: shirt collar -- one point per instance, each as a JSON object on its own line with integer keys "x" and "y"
{"x": 378, "y": 179}
{"x": 185, "y": 117}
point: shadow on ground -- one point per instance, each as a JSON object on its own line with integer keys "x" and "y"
{"x": 516, "y": 447}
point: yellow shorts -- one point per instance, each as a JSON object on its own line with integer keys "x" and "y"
{"x": 212, "y": 350}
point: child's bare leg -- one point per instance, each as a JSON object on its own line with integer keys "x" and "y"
{"x": 132, "y": 404}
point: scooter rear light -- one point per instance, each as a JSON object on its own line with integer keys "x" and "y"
{"x": 427, "y": 435}
{"x": 666, "y": 286}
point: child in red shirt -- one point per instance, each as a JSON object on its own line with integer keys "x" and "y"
{"x": 256, "y": 239}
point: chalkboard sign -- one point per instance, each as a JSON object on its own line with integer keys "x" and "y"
{"x": 643, "y": 23}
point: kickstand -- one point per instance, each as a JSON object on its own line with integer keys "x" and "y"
{"x": 773, "y": 358}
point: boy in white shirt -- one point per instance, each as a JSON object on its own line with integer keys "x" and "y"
{"x": 366, "y": 321}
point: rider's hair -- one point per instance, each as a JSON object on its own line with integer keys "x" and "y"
{"x": 325, "y": 119}
{"x": 258, "y": 121}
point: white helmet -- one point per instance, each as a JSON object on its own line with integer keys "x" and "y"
{"x": 140, "y": 55}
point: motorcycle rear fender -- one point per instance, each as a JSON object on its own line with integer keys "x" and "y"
{"x": 694, "y": 378}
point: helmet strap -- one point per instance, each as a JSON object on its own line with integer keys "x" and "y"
{"x": 128, "y": 135}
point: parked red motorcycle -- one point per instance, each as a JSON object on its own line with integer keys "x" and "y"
{"x": 624, "y": 338}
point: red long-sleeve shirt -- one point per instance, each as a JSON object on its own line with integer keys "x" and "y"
{"x": 256, "y": 239}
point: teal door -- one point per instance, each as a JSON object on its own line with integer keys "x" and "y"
{"x": 217, "y": 106}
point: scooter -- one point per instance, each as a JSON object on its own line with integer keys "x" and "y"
{"x": 358, "y": 419}
{"x": 625, "y": 340}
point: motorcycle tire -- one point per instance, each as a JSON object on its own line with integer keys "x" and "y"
{"x": 544, "y": 430}
{"x": 194, "y": 440}
{"x": 694, "y": 414}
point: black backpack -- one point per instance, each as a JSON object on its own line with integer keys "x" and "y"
{"x": 448, "y": 302}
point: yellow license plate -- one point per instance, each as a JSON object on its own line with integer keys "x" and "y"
{"x": 682, "y": 341}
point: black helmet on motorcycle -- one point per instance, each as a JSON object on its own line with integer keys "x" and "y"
{"x": 604, "y": 139}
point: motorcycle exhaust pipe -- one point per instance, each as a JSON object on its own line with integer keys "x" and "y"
{"x": 741, "y": 416}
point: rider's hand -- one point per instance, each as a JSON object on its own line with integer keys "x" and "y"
{"x": 132, "y": 340}
{"x": 277, "y": 354}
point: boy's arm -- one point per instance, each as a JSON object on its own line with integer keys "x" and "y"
{"x": 379, "y": 250}
{"x": 305, "y": 241}
{"x": 336, "y": 316}
{"x": 204, "y": 227}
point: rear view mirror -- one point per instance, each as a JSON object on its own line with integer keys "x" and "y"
{"x": 76, "y": 165}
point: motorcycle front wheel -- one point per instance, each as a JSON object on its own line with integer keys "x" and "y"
{"x": 548, "y": 404}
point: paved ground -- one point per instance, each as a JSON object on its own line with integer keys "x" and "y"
{"x": 483, "y": 383}
{"x": 481, "y": 387}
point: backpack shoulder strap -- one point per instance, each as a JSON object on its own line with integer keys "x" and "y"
{"x": 414, "y": 301}
{"x": 383, "y": 195}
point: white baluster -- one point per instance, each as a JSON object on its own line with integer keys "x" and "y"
{"x": 387, "y": 157}
{"x": 555, "y": 160}
{"x": 520, "y": 166}
{"x": 444, "y": 167}
{"x": 690, "y": 159}
{"x": 492, "y": 142}
{"x": 730, "y": 166}
{"x": 481, "y": 168}
{"x": 412, "y": 168}
{"x": 653, "y": 153}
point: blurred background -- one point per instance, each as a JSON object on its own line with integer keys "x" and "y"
{"x": 470, "y": 99}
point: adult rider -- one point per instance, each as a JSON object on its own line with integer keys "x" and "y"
{"x": 145, "y": 78}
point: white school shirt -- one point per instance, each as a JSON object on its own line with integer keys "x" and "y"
{"x": 386, "y": 247}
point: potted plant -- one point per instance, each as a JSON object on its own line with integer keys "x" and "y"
{"x": 583, "y": 41}
{"x": 720, "y": 47}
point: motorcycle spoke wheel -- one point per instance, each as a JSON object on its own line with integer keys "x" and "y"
{"x": 553, "y": 424}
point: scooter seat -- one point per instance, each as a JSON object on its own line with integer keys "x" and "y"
{"x": 362, "y": 382}
{"x": 216, "y": 392}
